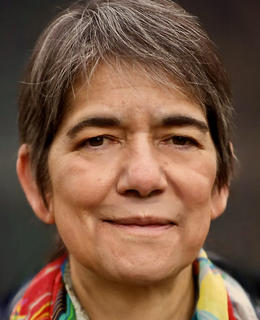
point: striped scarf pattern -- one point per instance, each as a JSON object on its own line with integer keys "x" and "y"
{"x": 47, "y": 299}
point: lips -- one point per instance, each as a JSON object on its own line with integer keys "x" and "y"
{"x": 141, "y": 221}
{"x": 140, "y": 227}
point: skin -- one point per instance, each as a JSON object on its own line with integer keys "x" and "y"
{"x": 132, "y": 171}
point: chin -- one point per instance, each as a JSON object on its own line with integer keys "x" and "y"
{"x": 143, "y": 273}
{"x": 144, "y": 280}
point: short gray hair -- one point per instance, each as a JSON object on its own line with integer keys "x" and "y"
{"x": 157, "y": 36}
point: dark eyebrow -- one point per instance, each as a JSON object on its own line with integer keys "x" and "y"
{"x": 181, "y": 121}
{"x": 102, "y": 122}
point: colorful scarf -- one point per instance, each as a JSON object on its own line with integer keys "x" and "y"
{"x": 47, "y": 299}
{"x": 213, "y": 302}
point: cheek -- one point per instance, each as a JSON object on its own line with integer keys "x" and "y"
{"x": 194, "y": 181}
{"x": 80, "y": 183}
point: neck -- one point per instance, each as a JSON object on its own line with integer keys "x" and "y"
{"x": 170, "y": 299}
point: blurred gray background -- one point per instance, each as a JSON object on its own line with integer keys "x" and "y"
{"x": 235, "y": 28}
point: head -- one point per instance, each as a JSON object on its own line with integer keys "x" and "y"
{"x": 156, "y": 39}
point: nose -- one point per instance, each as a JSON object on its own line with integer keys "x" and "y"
{"x": 142, "y": 174}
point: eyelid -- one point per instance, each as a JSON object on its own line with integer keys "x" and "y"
{"x": 191, "y": 141}
{"x": 83, "y": 142}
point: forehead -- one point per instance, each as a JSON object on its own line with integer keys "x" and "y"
{"x": 117, "y": 89}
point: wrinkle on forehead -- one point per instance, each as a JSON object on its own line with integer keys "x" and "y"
{"x": 123, "y": 75}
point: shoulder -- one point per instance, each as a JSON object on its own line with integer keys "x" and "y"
{"x": 245, "y": 302}
{"x": 40, "y": 293}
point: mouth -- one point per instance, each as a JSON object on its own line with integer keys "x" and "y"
{"x": 146, "y": 225}
{"x": 141, "y": 221}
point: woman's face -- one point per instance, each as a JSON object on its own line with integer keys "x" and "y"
{"x": 132, "y": 172}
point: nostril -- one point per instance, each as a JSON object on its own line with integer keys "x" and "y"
{"x": 139, "y": 194}
{"x": 155, "y": 193}
{"x": 132, "y": 193}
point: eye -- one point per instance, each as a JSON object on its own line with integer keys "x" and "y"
{"x": 182, "y": 141}
{"x": 95, "y": 141}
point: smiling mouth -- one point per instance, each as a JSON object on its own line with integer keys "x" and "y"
{"x": 146, "y": 222}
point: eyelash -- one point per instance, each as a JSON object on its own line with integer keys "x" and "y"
{"x": 182, "y": 141}
{"x": 87, "y": 142}
{"x": 179, "y": 141}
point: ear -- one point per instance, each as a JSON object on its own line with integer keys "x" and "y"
{"x": 219, "y": 200}
{"x": 30, "y": 188}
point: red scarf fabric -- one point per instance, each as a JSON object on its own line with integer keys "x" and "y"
{"x": 40, "y": 297}
{"x": 46, "y": 297}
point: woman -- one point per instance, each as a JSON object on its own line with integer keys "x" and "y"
{"x": 125, "y": 118}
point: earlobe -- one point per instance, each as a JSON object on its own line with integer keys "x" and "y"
{"x": 30, "y": 188}
{"x": 219, "y": 201}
